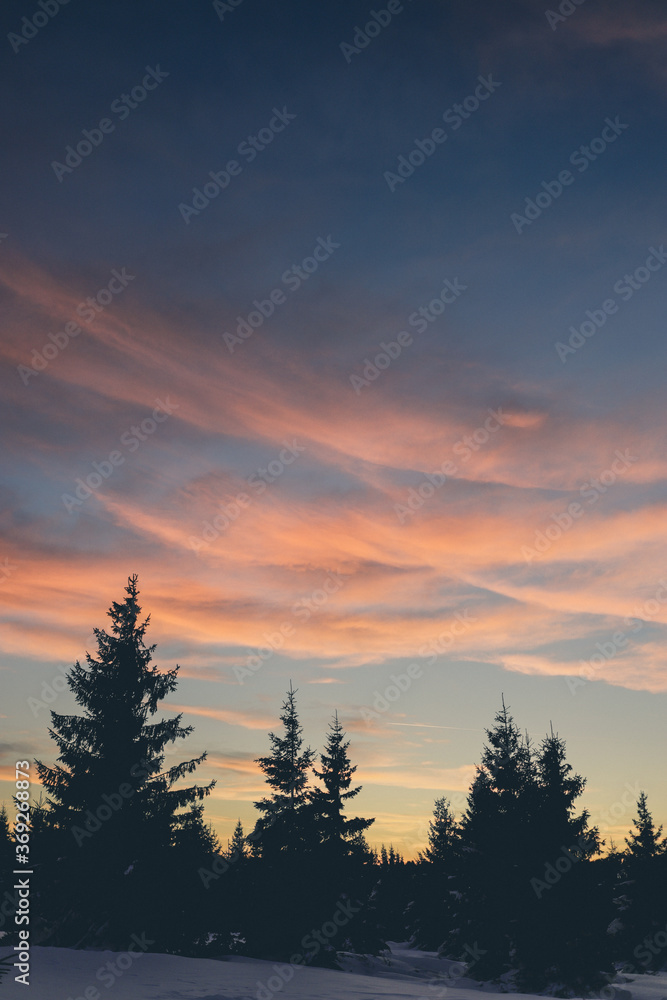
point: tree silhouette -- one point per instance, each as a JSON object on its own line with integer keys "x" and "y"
{"x": 338, "y": 835}
{"x": 557, "y": 937}
{"x": 431, "y": 912}
{"x": 110, "y": 799}
{"x": 442, "y": 836}
{"x": 238, "y": 849}
{"x": 642, "y": 905}
{"x": 646, "y": 842}
{"x": 494, "y": 841}
{"x": 284, "y": 825}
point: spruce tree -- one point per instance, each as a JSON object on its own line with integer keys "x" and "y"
{"x": 284, "y": 834}
{"x": 112, "y": 802}
{"x": 442, "y": 836}
{"x": 193, "y": 912}
{"x": 338, "y": 835}
{"x": 645, "y": 841}
{"x": 643, "y": 904}
{"x": 559, "y": 938}
{"x": 431, "y": 911}
{"x": 491, "y": 880}
{"x": 558, "y": 788}
{"x": 284, "y": 826}
{"x": 238, "y": 848}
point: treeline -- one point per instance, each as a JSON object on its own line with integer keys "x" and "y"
{"x": 516, "y": 890}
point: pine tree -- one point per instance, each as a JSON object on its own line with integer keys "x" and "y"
{"x": 491, "y": 881}
{"x": 109, "y": 797}
{"x": 643, "y": 903}
{"x": 558, "y": 789}
{"x": 338, "y": 835}
{"x": 431, "y": 911}
{"x": 193, "y": 911}
{"x": 442, "y": 836}
{"x": 559, "y": 937}
{"x": 528, "y": 895}
{"x": 238, "y": 849}
{"x": 284, "y": 826}
{"x": 286, "y": 836}
{"x": 646, "y": 842}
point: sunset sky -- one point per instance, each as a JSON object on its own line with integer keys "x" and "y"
{"x": 350, "y": 187}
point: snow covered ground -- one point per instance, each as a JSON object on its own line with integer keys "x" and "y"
{"x": 61, "y": 974}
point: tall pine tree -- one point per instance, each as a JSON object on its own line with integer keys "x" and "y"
{"x": 284, "y": 825}
{"x": 559, "y": 940}
{"x": 645, "y": 841}
{"x": 238, "y": 848}
{"x": 494, "y": 839}
{"x": 114, "y": 805}
{"x": 431, "y": 912}
{"x": 442, "y": 836}
{"x": 338, "y": 835}
{"x": 643, "y": 903}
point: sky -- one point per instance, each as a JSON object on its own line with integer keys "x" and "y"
{"x": 340, "y": 325}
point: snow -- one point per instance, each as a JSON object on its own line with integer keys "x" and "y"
{"x": 61, "y": 974}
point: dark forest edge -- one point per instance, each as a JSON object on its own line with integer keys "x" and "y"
{"x": 516, "y": 890}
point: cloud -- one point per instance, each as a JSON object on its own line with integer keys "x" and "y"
{"x": 334, "y": 509}
{"x": 423, "y": 776}
{"x": 233, "y": 717}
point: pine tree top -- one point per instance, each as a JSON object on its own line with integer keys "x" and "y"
{"x": 647, "y": 842}
{"x": 286, "y": 768}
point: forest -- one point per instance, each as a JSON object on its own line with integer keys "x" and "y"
{"x": 520, "y": 889}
